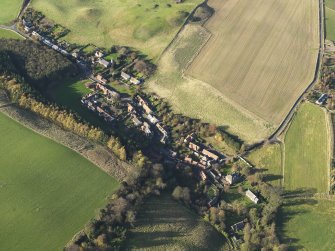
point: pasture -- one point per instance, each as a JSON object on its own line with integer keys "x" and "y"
{"x": 164, "y": 224}
{"x": 307, "y": 224}
{"x": 262, "y": 58}
{"x": 195, "y": 98}
{"x": 9, "y": 10}
{"x": 307, "y": 150}
{"x": 330, "y": 19}
{"x": 269, "y": 158}
{"x": 9, "y": 34}
{"x": 147, "y": 25}
{"x": 48, "y": 191}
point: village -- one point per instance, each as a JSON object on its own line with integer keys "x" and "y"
{"x": 138, "y": 113}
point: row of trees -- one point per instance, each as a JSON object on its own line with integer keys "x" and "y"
{"x": 23, "y": 94}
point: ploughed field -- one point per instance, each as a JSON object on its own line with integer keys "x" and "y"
{"x": 262, "y": 53}
{"x": 147, "y": 25}
{"x": 164, "y": 224}
{"x": 47, "y": 191}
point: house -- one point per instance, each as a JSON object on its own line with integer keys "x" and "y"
{"x": 136, "y": 121}
{"x": 131, "y": 108}
{"x": 47, "y": 42}
{"x": 108, "y": 91}
{"x": 27, "y": 29}
{"x": 203, "y": 175}
{"x": 135, "y": 81}
{"x": 210, "y": 154}
{"x": 103, "y": 62}
{"x": 101, "y": 79}
{"x": 55, "y": 47}
{"x": 188, "y": 160}
{"x": 251, "y": 196}
{"x": 146, "y": 129}
{"x": 161, "y": 129}
{"x": 189, "y": 138}
{"x": 322, "y": 99}
{"x": 194, "y": 147}
{"x": 144, "y": 104}
{"x": 237, "y": 226}
{"x": 125, "y": 76}
{"x": 202, "y": 166}
{"x": 152, "y": 119}
{"x": 212, "y": 175}
{"x": 99, "y": 54}
{"x": 75, "y": 54}
{"x": 213, "y": 201}
{"x": 232, "y": 178}
{"x": 34, "y": 33}
{"x": 64, "y": 52}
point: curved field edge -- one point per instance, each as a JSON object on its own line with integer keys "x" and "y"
{"x": 50, "y": 190}
{"x": 9, "y": 10}
{"x": 307, "y": 150}
{"x": 197, "y": 99}
{"x": 164, "y": 224}
{"x": 4, "y": 33}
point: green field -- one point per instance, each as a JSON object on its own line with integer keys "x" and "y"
{"x": 147, "y": 25}
{"x": 9, "y": 10}
{"x": 47, "y": 191}
{"x": 164, "y": 224}
{"x": 9, "y": 34}
{"x": 269, "y": 158}
{"x": 307, "y": 150}
{"x": 330, "y": 19}
{"x": 308, "y": 224}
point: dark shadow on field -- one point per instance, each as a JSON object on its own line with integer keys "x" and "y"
{"x": 289, "y": 210}
{"x": 272, "y": 177}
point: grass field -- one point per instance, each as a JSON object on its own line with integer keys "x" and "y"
{"x": 163, "y": 224}
{"x": 148, "y": 25}
{"x": 308, "y": 224}
{"x": 307, "y": 149}
{"x": 9, "y": 34}
{"x": 269, "y": 158}
{"x": 9, "y": 10}
{"x": 330, "y": 19}
{"x": 198, "y": 99}
{"x": 48, "y": 192}
{"x": 254, "y": 56}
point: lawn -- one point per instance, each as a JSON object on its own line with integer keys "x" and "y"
{"x": 164, "y": 224}
{"x": 254, "y": 54}
{"x": 147, "y": 25}
{"x": 307, "y": 224}
{"x": 269, "y": 158}
{"x": 197, "y": 99}
{"x": 9, "y": 10}
{"x": 48, "y": 192}
{"x": 9, "y": 34}
{"x": 307, "y": 149}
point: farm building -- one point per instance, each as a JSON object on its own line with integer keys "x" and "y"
{"x": 152, "y": 119}
{"x": 251, "y": 196}
{"x": 99, "y": 54}
{"x": 322, "y": 99}
{"x": 131, "y": 108}
{"x": 203, "y": 175}
{"x": 146, "y": 129}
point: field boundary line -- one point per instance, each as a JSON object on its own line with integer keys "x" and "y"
{"x": 330, "y": 129}
{"x": 316, "y": 78}
{"x": 54, "y": 139}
